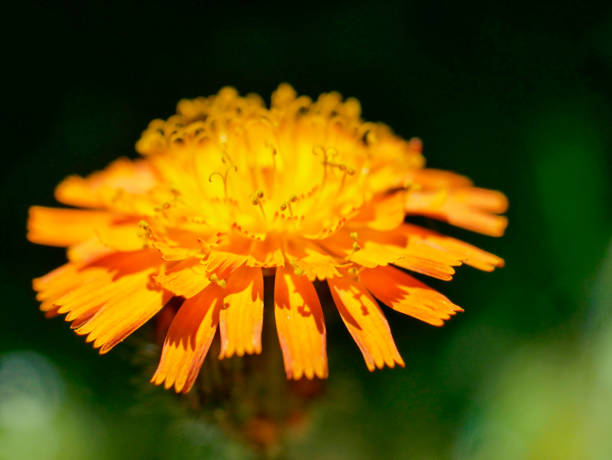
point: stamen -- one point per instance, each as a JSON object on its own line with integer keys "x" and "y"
{"x": 319, "y": 150}
{"x": 328, "y": 155}
{"x": 297, "y": 270}
{"x": 223, "y": 178}
{"x": 144, "y": 230}
{"x": 213, "y": 278}
{"x": 348, "y": 171}
{"x": 274, "y": 154}
{"x": 257, "y": 201}
{"x": 287, "y": 204}
{"x": 226, "y": 157}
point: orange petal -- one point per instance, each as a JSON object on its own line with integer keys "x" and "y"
{"x": 107, "y": 299}
{"x": 407, "y": 295}
{"x": 56, "y": 282}
{"x": 94, "y": 190}
{"x": 121, "y": 237}
{"x": 175, "y": 244}
{"x": 365, "y": 322}
{"x": 423, "y": 239}
{"x": 482, "y": 198}
{"x": 383, "y": 213}
{"x": 123, "y": 314}
{"x": 95, "y": 288}
{"x": 224, "y": 261}
{"x": 372, "y": 254}
{"x": 437, "y": 178}
{"x": 241, "y": 317}
{"x": 451, "y": 197}
{"x": 87, "y": 251}
{"x": 315, "y": 261}
{"x": 103, "y": 270}
{"x": 300, "y": 326}
{"x": 475, "y": 219}
{"x": 470, "y": 208}
{"x": 427, "y": 266}
{"x": 65, "y": 227}
{"x": 392, "y": 247}
{"x": 373, "y": 247}
{"x": 185, "y": 278}
{"x": 188, "y": 340}
{"x": 267, "y": 253}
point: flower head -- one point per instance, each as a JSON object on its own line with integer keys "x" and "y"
{"x": 229, "y": 191}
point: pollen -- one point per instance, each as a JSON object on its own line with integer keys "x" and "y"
{"x": 229, "y": 190}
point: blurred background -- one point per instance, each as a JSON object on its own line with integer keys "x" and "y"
{"x": 517, "y": 97}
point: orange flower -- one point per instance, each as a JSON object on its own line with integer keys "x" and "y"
{"x": 230, "y": 191}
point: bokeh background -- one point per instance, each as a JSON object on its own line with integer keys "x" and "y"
{"x": 518, "y": 97}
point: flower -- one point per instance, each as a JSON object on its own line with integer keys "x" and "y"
{"x": 229, "y": 191}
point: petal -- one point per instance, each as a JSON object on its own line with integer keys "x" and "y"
{"x": 428, "y": 266}
{"x": 241, "y": 317}
{"x": 96, "y": 288}
{"x": 300, "y": 326}
{"x": 94, "y": 190}
{"x": 123, "y": 313}
{"x": 451, "y": 197}
{"x": 423, "y": 239}
{"x": 365, "y": 322}
{"x": 188, "y": 340}
{"x": 372, "y": 254}
{"x": 188, "y": 277}
{"x": 103, "y": 270}
{"x": 482, "y": 198}
{"x": 383, "y": 213}
{"x": 56, "y": 282}
{"x": 107, "y": 299}
{"x": 470, "y": 208}
{"x": 407, "y": 295}
{"x": 121, "y": 237}
{"x": 437, "y": 178}
{"x": 87, "y": 250}
{"x": 392, "y": 247}
{"x": 185, "y": 278}
{"x": 65, "y": 227}
{"x": 312, "y": 259}
{"x": 366, "y": 247}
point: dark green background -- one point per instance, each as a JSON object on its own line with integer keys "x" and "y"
{"x": 517, "y": 97}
